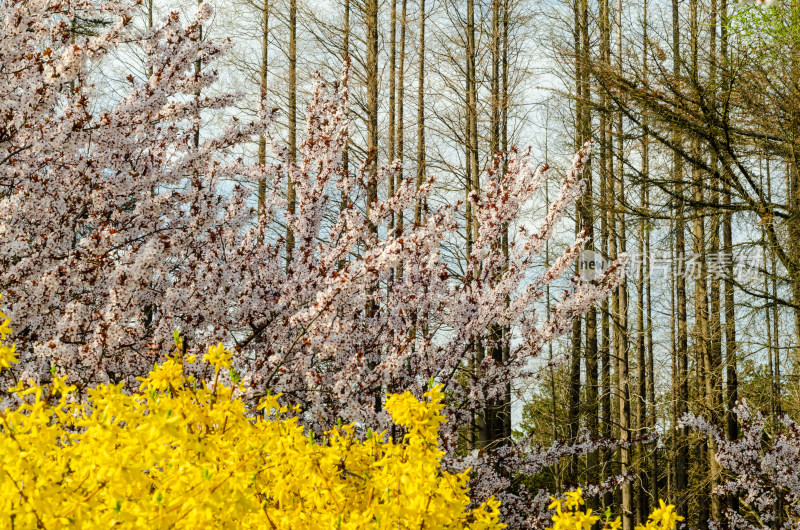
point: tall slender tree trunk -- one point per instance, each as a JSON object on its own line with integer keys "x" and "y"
{"x": 731, "y": 347}
{"x": 480, "y": 438}
{"x": 504, "y": 100}
{"x": 346, "y": 58}
{"x": 392, "y": 103}
{"x": 776, "y": 389}
{"x": 767, "y": 315}
{"x": 498, "y": 421}
{"x": 714, "y": 364}
{"x": 400, "y": 118}
{"x": 420, "y": 112}
{"x": 150, "y": 26}
{"x": 682, "y": 379}
{"x": 371, "y": 163}
{"x": 650, "y": 398}
{"x": 371, "y": 20}
{"x": 573, "y": 411}
{"x": 264, "y": 66}
{"x": 291, "y": 197}
{"x": 674, "y": 387}
{"x": 701, "y": 333}
{"x": 793, "y": 175}
{"x": 494, "y": 410}
{"x": 495, "y": 81}
{"x": 621, "y": 318}
{"x": 587, "y": 214}
{"x": 642, "y": 509}
{"x": 469, "y": 108}
{"x": 651, "y": 384}
{"x": 346, "y": 150}
{"x": 606, "y": 176}
{"x": 198, "y": 66}
{"x": 553, "y": 398}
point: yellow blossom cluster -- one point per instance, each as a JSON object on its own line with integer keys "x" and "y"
{"x": 181, "y": 453}
{"x": 570, "y": 516}
{"x": 8, "y": 354}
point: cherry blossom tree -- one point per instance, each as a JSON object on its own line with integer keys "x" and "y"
{"x": 115, "y": 233}
{"x": 761, "y": 466}
{"x": 104, "y": 207}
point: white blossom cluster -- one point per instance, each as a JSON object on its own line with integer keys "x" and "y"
{"x": 762, "y": 465}
{"x": 760, "y": 2}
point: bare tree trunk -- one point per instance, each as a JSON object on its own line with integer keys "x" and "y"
{"x": 642, "y": 509}
{"x": 606, "y": 176}
{"x": 150, "y": 26}
{"x": 651, "y": 385}
{"x": 371, "y": 163}
{"x": 776, "y": 390}
{"x": 346, "y": 150}
{"x": 768, "y": 321}
{"x": 701, "y": 335}
{"x": 262, "y": 139}
{"x": 198, "y": 65}
{"x": 346, "y": 54}
{"x": 714, "y": 365}
{"x": 494, "y": 410}
{"x": 504, "y": 147}
{"x": 400, "y": 118}
{"x": 480, "y": 438}
{"x": 587, "y": 215}
{"x": 622, "y": 310}
{"x": 495, "y": 81}
{"x": 674, "y": 387}
{"x": 682, "y": 380}
{"x": 469, "y": 107}
{"x": 392, "y": 103}
{"x": 290, "y": 192}
{"x": 553, "y": 405}
{"x": 371, "y": 19}
{"x": 420, "y": 112}
{"x": 793, "y": 184}
{"x": 731, "y": 347}
{"x": 575, "y": 356}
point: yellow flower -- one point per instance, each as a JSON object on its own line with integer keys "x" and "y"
{"x": 569, "y": 515}
{"x": 8, "y": 355}
{"x": 5, "y": 328}
{"x": 168, "y": 373}
{"x": 218, "y": 357}
{"x": 574, "y": 499}
{"x": 197, "y": 457}
{"x": 665, "y": 516}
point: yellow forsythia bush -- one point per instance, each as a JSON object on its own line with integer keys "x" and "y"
{"x": 185, "y": 454}
{"x": 570, "y": 516}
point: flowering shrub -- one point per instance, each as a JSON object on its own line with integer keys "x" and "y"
{"x": 761, "y": 467}
{"x": 570, "y": 516}
{"x": 8, "y": 354}
{"x": 183, "y": 453}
